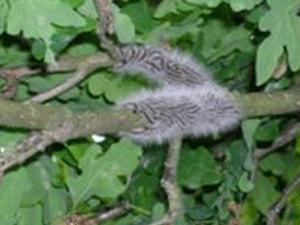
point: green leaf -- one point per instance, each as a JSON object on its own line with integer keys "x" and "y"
{"x": 184, "y": 6}
{"x": 40, "y": 13}
{"x": 281, "y": 84}
{"x": 38, "y": 49}
{"x": 88, "y": 9}
{"x": 264, "y": 193}
{"x": 143, "y": 20}
{"x": 291, "y": 166}
{"x": 282, "y": 22}
{"x": 209, "y": 3}
{"x": 249, "y": 128}
{"x": 9, "y": 138}
{"x": 255, "y": 14}
{"x": 146, "y": 179}
{"x": 78, "y": 149}
{"x": 245, "y": 184}
{"x": 11, "y": 193}
{"x": 29, "y": 192}
{"x": 249, "y": 213}
{"x": 200, "y": 212}
{"x": 132, "y": 219}
{"x": 2, "y": 82}
{"x": 198, "y": 168}
{"x": 158, "y": 211}
{"x": 65, "y": 36}
{"x": 98, "y": 83}
{"x": 83, "y": 49}
{"x": 120, "y": 87}
{"x": 297, "y": 146}
{"x": 13, "y": 56}
{"x": 237, "y": 5}
{"x": 73, "y": 3}
{"x": 220, "y": 40}
{"x": 249, "y": 163}
{"x": 237, "y": 154}
{"x": 124, "y": 28}
{"x": 37, "y": 179}
{"x": 188, "y": 26}
{"x": 165, "y": 7}
{"x": 3, "y": 14}
{"x": 267, "y": 131}
{"x": 72, "y": 94}
{"x": 114, "y": 88}
{"x": 273, "y": 163}
{"x": 31, "y": 215}
{"x": 38, "y": 19}
{"x": 100, "y": 174}
{"x": 56, "y": 204}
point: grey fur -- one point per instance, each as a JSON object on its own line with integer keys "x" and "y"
{"x": 189, "y": 103}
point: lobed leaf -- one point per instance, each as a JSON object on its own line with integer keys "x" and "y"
{"x": 38, "y": 19}
{"x": 283, "y": 24}
{"x": 198, "y": 168}
{"x": 100, "y": 174}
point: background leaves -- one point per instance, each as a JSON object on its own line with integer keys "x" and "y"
{"x": 38, "y": 19}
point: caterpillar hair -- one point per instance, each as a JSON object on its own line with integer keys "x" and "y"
{"x": 188, "y": 103}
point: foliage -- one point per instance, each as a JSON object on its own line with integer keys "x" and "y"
{"x": 230, "y": 36}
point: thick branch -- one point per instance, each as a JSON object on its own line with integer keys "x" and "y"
{"x": 62, "y": 125}
{"x": 263, "y": 104}
{"x": 38, "y": 117}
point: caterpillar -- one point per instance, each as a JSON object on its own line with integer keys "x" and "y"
{"x": 160, "y": 65}
{"x": 187, "y": 103}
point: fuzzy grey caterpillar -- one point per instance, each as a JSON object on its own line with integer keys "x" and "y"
{"x": 187, "y": 103}
{"x": 162, "y": 66}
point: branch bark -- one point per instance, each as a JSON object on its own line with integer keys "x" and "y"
{"x": 268, "y": 104}
{"x": 37, "y": 117}
{"x": 169, "y": 183}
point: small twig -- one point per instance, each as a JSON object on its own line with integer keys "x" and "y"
{"x": 287, "y": 136}
{"x": 87, "y": 66}
{"x": 235, "y": 208}
{"x": 169, "y": 183}
{"x": 101, "y": 217}
{"x": 66, "y": 63}
{"x": 80, "y": 220}
{"x": 113, "y": 213}
{"x": 32, "y": 144}
{"x": 272, "y": 214}
{"x": 13, "y": 77}
{"x": 106, "y": 27}
{"x": 17, "y": 72}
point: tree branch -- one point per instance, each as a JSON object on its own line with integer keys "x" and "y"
{"x": 169, "y": 183}
{"x": 274, "y": 211}
{"x": 287, "y": 135}
{"x": 33, "y": 116}
{"x": 263, "y": 104}
{"x": 13, "y": 77}
{"x": 58, "y": 125}
{"x": 85, "y": 67}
